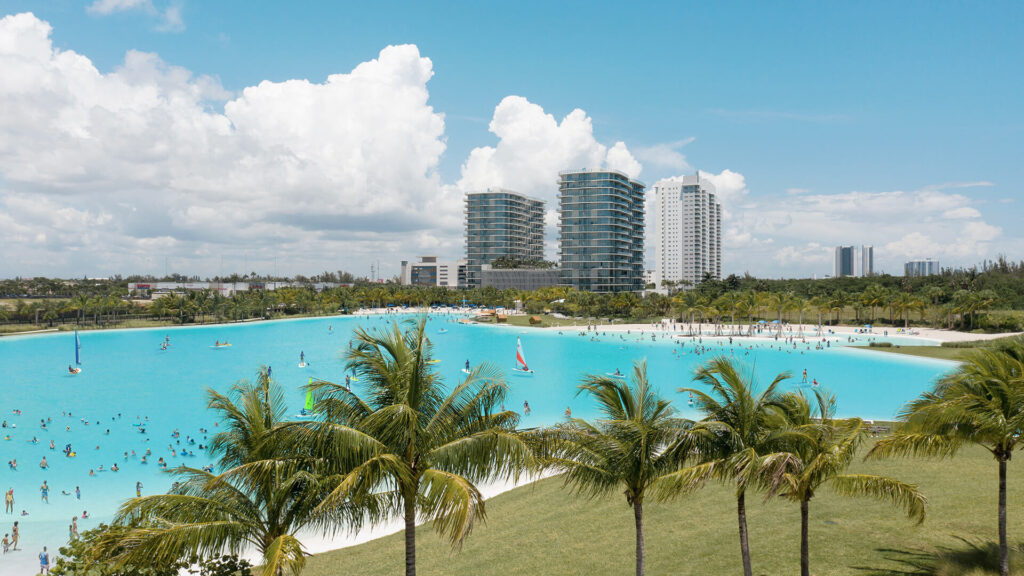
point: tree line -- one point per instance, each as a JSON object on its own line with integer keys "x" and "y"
{"x": 990, "y": 300}
{"x": 409, "y": 446}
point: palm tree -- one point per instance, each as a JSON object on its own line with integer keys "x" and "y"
{"x": 688, "y": 303}
{"x": 825, "y": 447}
{"x": 729, "y": 301}
{"x": 628, "y": 449}
{"x": 422, "y": 447}
{"x": 262, "y": 497}
{"x": 982, "y": 403}
{"x": 740, "y": 440}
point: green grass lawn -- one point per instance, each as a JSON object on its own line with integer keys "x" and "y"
{"x": 927, "y": 351}
{"x": 541, "y": 529}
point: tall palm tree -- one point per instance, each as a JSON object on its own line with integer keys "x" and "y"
{"x": 740, "y": 440}
{"x": 422, "y": 446}
{"x": 982, "y": 403}
{"x": 825, "y": 447}
{"x": 627, "y": 449}
{"x": 263, "y": 495}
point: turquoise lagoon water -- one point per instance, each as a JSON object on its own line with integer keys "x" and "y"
{"x": 126, "y": 379}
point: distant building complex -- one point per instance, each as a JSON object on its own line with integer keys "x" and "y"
{"x": 601, "y": 231}
{"x": 845, "y": 263}
{"x": 926, "y": 267}
{"x": 429, "y": 272}
{"x": 688, "y": 231}
{"x": 159, "y": 289}
{"x": 501, "y": 224}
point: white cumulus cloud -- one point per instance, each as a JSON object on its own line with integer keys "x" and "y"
{"x": 323, "y": 172}
{"x": 533, "y": 147}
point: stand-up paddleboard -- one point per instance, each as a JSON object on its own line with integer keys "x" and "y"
{"x": 464, "y": 371}
{"x": 521, "y": 368}
{"x": 614, "y": 375}
{"x": 219, "y": 346}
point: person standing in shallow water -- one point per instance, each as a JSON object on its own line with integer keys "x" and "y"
{"x": 9, "y": 501}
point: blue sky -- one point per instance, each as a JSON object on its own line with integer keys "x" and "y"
{"x": 808, "y": 100}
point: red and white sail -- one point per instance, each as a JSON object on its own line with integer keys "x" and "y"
{"x": 520, "y": 359}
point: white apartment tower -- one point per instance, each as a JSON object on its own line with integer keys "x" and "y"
{"x": 687, "y": 230}
{"x": 867, "y": 261}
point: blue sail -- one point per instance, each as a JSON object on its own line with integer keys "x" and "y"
{"x": 78, "y": 346}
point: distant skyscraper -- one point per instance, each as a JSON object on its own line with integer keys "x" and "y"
{"x": 502, "y": 223}
{"x": 687, "y": 230}
{"x": 926, "y": 267}
{"x": 867, "y": 260}
{"x": 601, "y": 231}
{"x": 844, "y": 262}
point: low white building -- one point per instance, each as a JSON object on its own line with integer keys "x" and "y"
{"x": 429, "y": 272}
{"x": 223, "y": 288}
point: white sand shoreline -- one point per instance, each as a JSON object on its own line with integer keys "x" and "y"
{"x": 706, "y": 330}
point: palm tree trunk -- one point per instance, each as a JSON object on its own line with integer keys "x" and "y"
{"x": 805, "y": 557}
{"x": 741, "y": 509}
{"x": 1004, "y": 560}
{"x": 638, "y": 516}
{"x": 410, "y": 536}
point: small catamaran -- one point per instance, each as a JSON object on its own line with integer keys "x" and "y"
{"x": 521, "y": 367}
{"x": 78, "y": 358}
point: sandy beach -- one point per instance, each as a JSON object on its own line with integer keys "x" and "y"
{"x": 761, "y": 331}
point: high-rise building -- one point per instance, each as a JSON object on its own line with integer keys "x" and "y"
{"x": 926, "y": 267}
{"x": 867, "y": 260}
{"x": 844, "y": 262}
{"x": 502, "y": 223}
{"x": 601, "y": 231}
{"x": 687, "y": 230}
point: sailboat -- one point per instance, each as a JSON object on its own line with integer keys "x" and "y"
{"x": 521, "y": 367}
{"x": 78, "y": 358}
{"x": 307, "y": 410}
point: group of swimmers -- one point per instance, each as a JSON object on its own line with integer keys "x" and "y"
{"x": 187, "y": 446}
